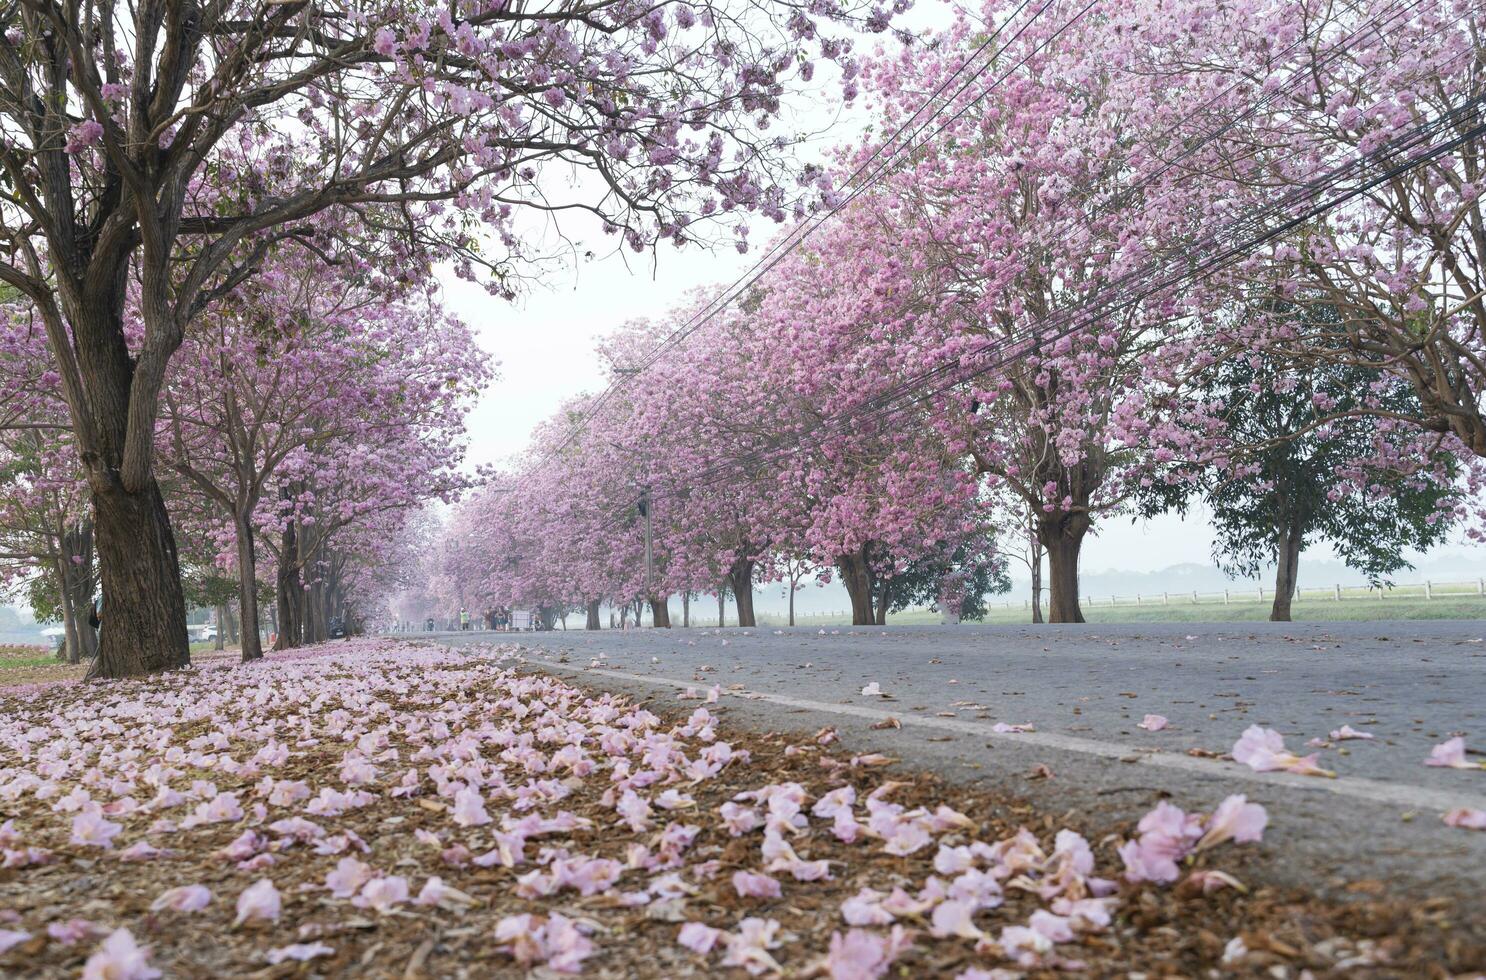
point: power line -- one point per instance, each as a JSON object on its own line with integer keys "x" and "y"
{"x": 1066, "y": 323}
{"x": 792, "y": 240}
{"x": 788, "y": 243}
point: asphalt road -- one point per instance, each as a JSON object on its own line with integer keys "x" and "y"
{"x": 1085, "y": 688}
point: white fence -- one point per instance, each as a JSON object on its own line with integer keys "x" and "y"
{"x": 1423, "y": 591}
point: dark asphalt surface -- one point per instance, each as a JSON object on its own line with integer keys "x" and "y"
{"x": 1411, "y": 684}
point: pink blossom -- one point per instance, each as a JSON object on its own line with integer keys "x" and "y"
{"x": 1002, "y": 728}
{"x": 183, "y": 898}
{"x": 469, "y": 808}
{"x": 70, "y": 932}
{"x": 90, "y": 829}
{"x": 698, "y": 937}
{"x": 952, "y": 918}
{"x": 862, "y": 955}
{"x": 382, "y": 894}
{"x": 752, "y": 885}
{"x": 83, "y": 135}
{"x": 13, "y": 937}
{"x": 1055, "y": 927}
{"x": 385, "y": 43}
{"x": 119, "y": 958}
{"x": 259, "y": 901}
{"x": 522, "y": 937}
{"x": 567, "y": 946}
{"x": 298, "y": 952}
{"x": 348, "y": 877}
{"x": 1263, "y": 750}
{"x": 435, "y": 892}
{"x": 749, "y": 946}
{"x": 865, "y": 909}
{"x": 1451, "y": 754}
{"x": 143, "y": 850}
{"x": 1235, "y": 819}
{"x": 1347, "y": 732}
{"x": 1466, "y": 818}
{"x": 1153, "y": 723}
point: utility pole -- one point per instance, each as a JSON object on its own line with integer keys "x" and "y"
{"x": 644, "y": 507}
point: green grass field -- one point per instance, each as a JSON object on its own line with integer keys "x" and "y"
{"x": 25, "y": 656}
{"x": 1312, "y": 609}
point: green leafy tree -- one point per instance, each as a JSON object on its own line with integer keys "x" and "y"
{"x": 1314, "y": 455}
{"x": 962, "y": 576}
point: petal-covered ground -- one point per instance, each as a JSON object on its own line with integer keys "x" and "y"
{"x": 381, "y": 809}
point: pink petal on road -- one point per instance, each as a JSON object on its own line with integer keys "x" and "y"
{"x": 1466, "y": 818}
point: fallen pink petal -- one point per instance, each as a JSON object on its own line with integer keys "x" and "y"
{"x": 1466, "y": 818}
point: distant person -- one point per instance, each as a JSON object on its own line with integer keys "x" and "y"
{"x": 95, "y": 616}
{"x": 464, "y": 619}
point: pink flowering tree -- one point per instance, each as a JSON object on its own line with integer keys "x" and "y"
{"x": 46, "y": 534}
{"x": 1401, "y": 266}
{"x": 987, "y": 268}
{"x": 220, "y": 133}
{"x": 303, "y": 370}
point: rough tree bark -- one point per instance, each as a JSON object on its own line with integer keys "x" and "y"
{"x": 247, "y": 592}
{"x": 76, "y": 580}
{"x": 1062, "y": 534}
{"x": 884, "y": 599}
{"x": 593, "y": 615}
{"x": 660, "y": 612}
{"x": 289, "y": 592}
{"x": 1288, "y": 543}
{"x": 740, "y": 577}
{"x": 233, "y": 627}
{"x": 856, "y": 576}
{"x": 144, "y": 621}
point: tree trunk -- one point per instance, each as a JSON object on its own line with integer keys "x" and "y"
{"x": 71, "y": 650}
{"x": 660, "y": 612}
{"x": 1062, "y": 534}
{"x": 856, "y": 576}
{"x": 1034, "y": 551}
{"x": 221, "y": 642}
{"x": 144, "y": 607}
{"x": 77, "y": 583}
{"x": 593, "y": 615}
{"x": 314, "y": 614}
{"x": 227, "y": 624}
{"x": 685, "y": 609}
{"x": 1287, "y": 563}
{"x": 289, "y": 592}
{"x": 624, "y": 615}
{"x": 722, "y": 605}
{"x": 884, "y": 599}
{"x": 740, "y": 576}
{"x": 247, "y": 592}
{"x": 792, "y": 602}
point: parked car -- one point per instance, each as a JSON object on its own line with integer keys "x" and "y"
{"x": 337, "y": 628}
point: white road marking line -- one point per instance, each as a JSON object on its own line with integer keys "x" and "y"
{"x": 1374, "y": 790}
